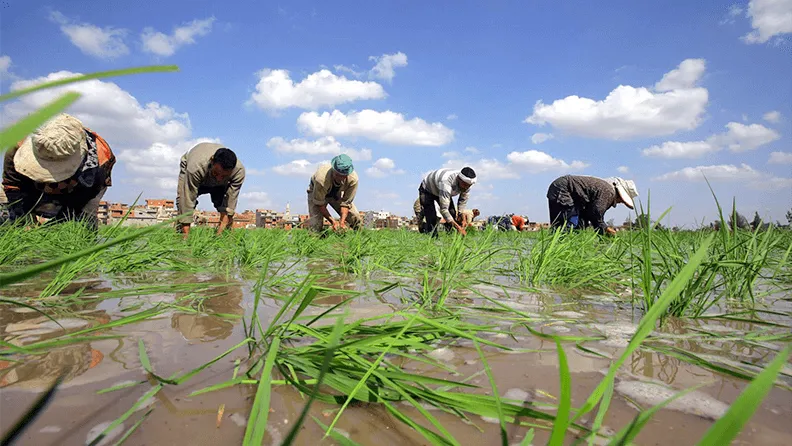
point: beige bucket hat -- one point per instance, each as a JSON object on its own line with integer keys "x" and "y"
{"x": 54, "y": 152}
{"x": 627, "y": 191}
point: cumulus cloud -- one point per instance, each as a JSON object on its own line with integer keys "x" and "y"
{"x": 675, "y": 104}
{"x": 352, "y": 71}
{"x": 324, "y": 146}
{"x": 276, "y": 90}
{"x": 451, "y": 117}
{"x": 623, "y": 169}
{"x": 772, "y": 116}
{"x": 683, "y": 77}
{"x": 769, "y": 18}
{"x": 471, "y": 150}
{"x": 728, "y": 172}
{"x": 165, "y": 45}
{"x": 387, "y": 127}
{"x": 255, "y": 199}
{"x": 743, "y": 173}
{"x": 105, "y": 43}
{"x": 539, "y": 138}
{"x": 531, "y": 161}
{"x": 450, "y": 154}
{"x": 386, "y": 64}
{"x": 534, "y": 161}
{"x": 738, "y": 138}
{"x": 383, "y": 167}
{"x": 780, "y": 158}
{"x": 5, "y": 64}
{"x": 297, "y": 168}
{"x": 148, "y": 139}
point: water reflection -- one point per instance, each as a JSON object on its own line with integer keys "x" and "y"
{"x": 209, "y": 322}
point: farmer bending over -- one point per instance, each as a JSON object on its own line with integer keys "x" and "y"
{"x": 439, "y": 186}
{"x": 60, "y": 172}
{"x": 212, "y": 169}
{"x": 577, "y": 201}
{"x": 334, "y": 184}
{"x": 465, "y": 218}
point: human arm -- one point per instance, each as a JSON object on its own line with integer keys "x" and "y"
{"x": 344, "y": 213}
{"x": 225, "y": 222}
{"x": 187, "y": 195}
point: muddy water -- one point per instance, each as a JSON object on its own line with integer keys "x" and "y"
{"x": 178, "y": 340}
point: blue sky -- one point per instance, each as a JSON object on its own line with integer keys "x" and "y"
{"x": 662, "y": 90}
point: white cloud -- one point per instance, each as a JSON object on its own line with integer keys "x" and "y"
{"x": 772, "y": 116}
{"x": 351, "y": 71}
{"x": 674, "y": 149}
{"x": 630, "y": 112}
{"x": 780, "y": 158}
{"x": 383, "y": 167}
{"x": 769, "y": 18}
{"x": 387, "y": 127}
{"x": 534, "y": 161}
{"x": 276, "y": 90}
{"x": 326, "y": 145}
{"x": 147, "y": 139}
{"x": 531, "y": 161}
{"x": 738, "y": 138}
{"x": 471, "y": 150}
{"x": 384, "y": 69}
{"x": 297, "y": 168}
{"x": 451, "y": 117}
{"x": 771, "y": 184}
{"x": 166, "y": 45}
{"x": 623, "y": 169}
{"x": 732, "y": 14}
{"x": 106, "y": 43}
{"x": 683, "y": 77}
{"x": 255, "y": 199}
{"x": 451, "y": 154}
{"x": 539, "y": 138}
{"x": 5, "y": 64}
{"x": 720, "y": 172}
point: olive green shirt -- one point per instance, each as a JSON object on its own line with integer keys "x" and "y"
{"x": 321, "y": 190}
{"x": 195, "y": 174}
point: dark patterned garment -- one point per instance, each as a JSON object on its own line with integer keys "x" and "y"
{"x": 584, "y": 197}
{"x": 62, "y": 200}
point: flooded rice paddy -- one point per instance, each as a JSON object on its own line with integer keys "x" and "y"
{"x": 90, "y": 334}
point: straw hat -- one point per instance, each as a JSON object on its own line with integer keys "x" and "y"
{"x": 54, "y": 152}
{"x": 627, "y": 191}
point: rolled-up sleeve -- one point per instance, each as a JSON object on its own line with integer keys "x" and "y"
{"x": 349, "y": 195}
{"x": 232, "y": 193}
{"x": 445, "y": 201}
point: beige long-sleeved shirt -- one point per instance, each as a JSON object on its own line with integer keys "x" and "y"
{"x": 321, "y": 190}
{"x": 195, "y": 173}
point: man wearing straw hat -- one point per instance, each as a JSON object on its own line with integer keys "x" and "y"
{"x": 579, "y": 201}
{"x": 60, "y": 172}
{"x": 334, "y": 184}
{"x": 440, "y": 186}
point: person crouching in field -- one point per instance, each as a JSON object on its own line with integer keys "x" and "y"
{"x": 335, "y": 185}
{"x": 58, "y": 173}
{"x": 578, "y": 201}
{"x": 213, "y": 169}
{"x": 441, "y": 186}
{"x": 466, "y": 217}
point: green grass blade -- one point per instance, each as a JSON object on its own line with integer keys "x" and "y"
{"x": 342, "y": 440}
{"x": 85, "y": 77}
{"x": 119, "y": 387}
{"x": 726, "y": 429}
{"x": 529, "y": 436}
{"x": 257, "y": 422}
{"x": 495, "y": 395}
{"x": 27, "y": 125}
{"x": 132, "y": 429}
{"x": 148, "y": 395}
{"x": 565, "y": 402}
{"x": 328, "y": 356}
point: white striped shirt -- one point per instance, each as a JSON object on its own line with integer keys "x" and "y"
{"x": 443, "y": 184}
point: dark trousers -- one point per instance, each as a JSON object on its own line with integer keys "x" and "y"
{"x": 217, "y": 194}
{"x": 428, "y": 200}
{"x": 563, "y": 216}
